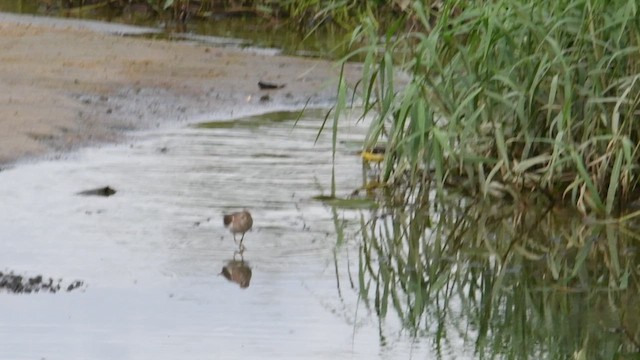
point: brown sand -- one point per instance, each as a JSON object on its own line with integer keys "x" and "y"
{"x": 64, "y": 85}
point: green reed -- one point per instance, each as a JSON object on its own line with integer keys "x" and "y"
{"x": 536, "y": 104}
{"x": 508, "y": 97}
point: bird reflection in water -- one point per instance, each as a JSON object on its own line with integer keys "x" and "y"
{"x": 237, "y": 271}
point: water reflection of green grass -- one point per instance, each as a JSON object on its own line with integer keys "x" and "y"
{"x": 252, "y": 121}
{"x": 516, "y": 281}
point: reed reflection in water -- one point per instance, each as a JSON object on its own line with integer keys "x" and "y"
{"x": 514, "y": 278}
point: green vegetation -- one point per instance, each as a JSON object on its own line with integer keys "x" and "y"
{"x": 507, "y": 97}
{"x": 510, "y": 127}
{"x": 308, "y": 14}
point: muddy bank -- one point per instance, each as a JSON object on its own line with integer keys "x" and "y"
{"x": 66, "y": 83}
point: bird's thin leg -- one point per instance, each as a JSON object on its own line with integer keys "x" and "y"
{"x": 234, "y": 239}
{"x": 242, "y": 238}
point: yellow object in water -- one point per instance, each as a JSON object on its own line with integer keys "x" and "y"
{"x": 372, "y": 157}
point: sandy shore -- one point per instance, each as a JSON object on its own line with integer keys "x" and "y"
{"x": 65, "y": 83}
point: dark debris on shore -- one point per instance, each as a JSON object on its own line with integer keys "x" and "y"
{"x": 18, "y": 284}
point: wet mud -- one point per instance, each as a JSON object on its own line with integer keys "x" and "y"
{"x": 65, "y": 97}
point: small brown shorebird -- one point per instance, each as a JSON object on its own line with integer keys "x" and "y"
{"x": 239, "y": 222}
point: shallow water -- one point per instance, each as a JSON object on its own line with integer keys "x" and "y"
{"x": 151, "y": 255}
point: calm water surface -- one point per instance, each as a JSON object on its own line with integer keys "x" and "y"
{"x": 151, "y": 255}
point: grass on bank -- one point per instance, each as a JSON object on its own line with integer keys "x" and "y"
{"x": 509, "y": 97}
{"x": 477, "y": 100}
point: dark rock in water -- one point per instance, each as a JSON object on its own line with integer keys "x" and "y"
{"x": 263, "y": 85}
{"x": 17, "y": 284}
{"x": 103, "y": 191}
